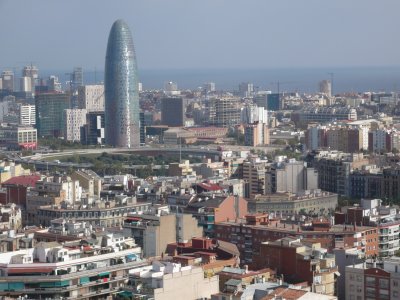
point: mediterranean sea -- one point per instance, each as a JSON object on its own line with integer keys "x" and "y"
{"x": 349, "y": 79}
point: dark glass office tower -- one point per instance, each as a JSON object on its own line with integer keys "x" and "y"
{"x": 121, "y": 89}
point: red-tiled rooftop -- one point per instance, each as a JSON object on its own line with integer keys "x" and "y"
{"x": 209, "y": 186}
{"x": 24, "y": 180}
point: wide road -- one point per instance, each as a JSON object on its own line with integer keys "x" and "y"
{"x": 43, "y": 160}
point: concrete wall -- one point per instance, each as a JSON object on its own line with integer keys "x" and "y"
{"x": 188, "y": 284}
{"x": 156, "y": 238}
{"x": 188, "y": 227}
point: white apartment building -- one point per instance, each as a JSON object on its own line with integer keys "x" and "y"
{"x": 74, "y": 120}
{"x": 170, "y": 281}
{"x": 56, "y": 271}
{"x": 27, "y": 114}
{"x": 91, "y": 97}
{"x": 251, "y": 114}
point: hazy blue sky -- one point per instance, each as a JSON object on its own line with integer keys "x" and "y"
{"x": 203, "y": 34}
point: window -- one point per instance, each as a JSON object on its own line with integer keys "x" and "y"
{"x": 384, "y": 294}
{"x": 370, "y": 291}
{"x": 384, "y": 283}
{"x": 370, "y": 281}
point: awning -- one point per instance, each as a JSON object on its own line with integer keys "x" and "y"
{"x": 104, "y": 274}
{"x": 84, "y": 280}
{"x": 337, "y": 273}
{"x": 125, "y": 294}
{"x": 133, "y": 219}
{"x": 131, "y": 257}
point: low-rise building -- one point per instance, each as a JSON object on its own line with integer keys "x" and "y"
{"x": 314, "y": 202}
{"x": 18, "y": 137}
{"x": 100, "y": 213}
{"x": 290, "y": 176}
{"x": 88, "y": 180}
{"x": 210, "y": 209}
{"x": 374, "y": 280}
{"x": 155, "y": 229}
{"x": 68, "y": 271}
{"x": 249, "y": 234}
{"x": 170, "y": 281}
{"x": 298, "y": 261}
{"x": 322, "y": 114}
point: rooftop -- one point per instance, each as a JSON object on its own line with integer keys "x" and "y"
{"x": 24, "y": 180}
{"x": 295, "y": 228}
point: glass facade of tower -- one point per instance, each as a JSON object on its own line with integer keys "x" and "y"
{"x": 121, "y": 89}
{"x": 50, "y": 113}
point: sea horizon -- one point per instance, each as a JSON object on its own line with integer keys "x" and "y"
{"x": 303, "y": 80}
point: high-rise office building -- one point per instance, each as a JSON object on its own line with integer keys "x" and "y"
{"x": 77, "y": 78}
{"x": 121, "y": 89}
{"x": 50, "y": 113}
{"x": 274, "y": 102}
{"x": 33, "y": 73}
{"x": 325, "y": 87}
{"x": 8, "y": 80}
{"x": 27, "y": 114}
{"x": 92, "y": 133}
{"x": 246, "y": 89}
{"x": 91, "y": 97}
{"x": 172, "y": 111}
{"x": 224, "y": 112}
{"x": 53, "y": 85}
{"x": 209, "y": 87}
{"x": 261, "y": 98}
{"x": 25, "y": 84}
{"x": 74, "y": 120}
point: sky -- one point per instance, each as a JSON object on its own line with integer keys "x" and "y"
{"x": 206, "y": 34}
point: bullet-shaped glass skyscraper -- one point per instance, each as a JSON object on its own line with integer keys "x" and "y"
{"x": 121, "y": 89}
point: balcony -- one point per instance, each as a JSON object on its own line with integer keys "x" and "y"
{"x": 327, "y": 270}
{"x": 50, "y": 278}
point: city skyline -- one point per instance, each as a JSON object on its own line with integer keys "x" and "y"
{"x": 210, "y": 34}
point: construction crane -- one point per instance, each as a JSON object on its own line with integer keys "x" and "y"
{"x": 279, "y": 83}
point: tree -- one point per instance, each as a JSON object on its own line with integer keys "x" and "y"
{"x": 279, "y": 142}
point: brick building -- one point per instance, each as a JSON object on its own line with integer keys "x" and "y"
{"x": 374, "y": 280}
{"x": 249, "y": 234}
{"x": 299, "y": 261}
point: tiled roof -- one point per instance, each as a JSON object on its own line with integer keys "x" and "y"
{"x": 209, "y": 186}
{"x": 25, "y": 180}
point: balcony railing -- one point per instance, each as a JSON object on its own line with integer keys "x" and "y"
{"x": 70, "y": 276}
